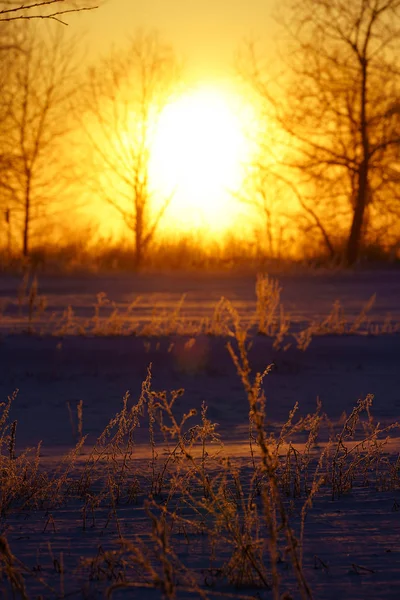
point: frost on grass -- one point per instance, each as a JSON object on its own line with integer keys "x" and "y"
{"x": 144, "y": 316}
{"x": 195, "y": 494}
{"x": 308, "y": 510}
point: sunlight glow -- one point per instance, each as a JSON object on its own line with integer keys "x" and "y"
{"x": 200, "y": 147}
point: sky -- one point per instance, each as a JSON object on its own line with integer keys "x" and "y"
{"x": 206, "y": 37}
{"x": 205, "y": 34}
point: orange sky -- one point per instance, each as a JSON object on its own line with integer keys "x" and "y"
{"x": 205, "y": 33}
{"x": 206, "y": 36}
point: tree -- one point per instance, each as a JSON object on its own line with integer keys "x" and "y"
{"x": 38, "y": 94}
{"x": 8, "y": 50}
{"x": 55, "y": 10}
{"x": 122, "y": 103}
{"x": 260, "y": 194}
{"x": 338, "y": 105}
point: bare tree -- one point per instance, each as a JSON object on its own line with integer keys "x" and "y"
{"x": 338, "y": 106}
{"x": 39, "y": 91}
{"x": 123, "y": 100}
{"x": 57, "y": 10}
{"x": 8, "y": 49}
{"x": 265, "y": 204}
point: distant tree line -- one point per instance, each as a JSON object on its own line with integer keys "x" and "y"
{"x": 334, "y": 108}
{"x": 59, "y": 123}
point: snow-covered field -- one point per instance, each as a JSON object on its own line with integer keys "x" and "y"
{"x": 132, "y": 511}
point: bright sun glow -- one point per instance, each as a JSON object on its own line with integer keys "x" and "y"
{"x": 200, "y": 147}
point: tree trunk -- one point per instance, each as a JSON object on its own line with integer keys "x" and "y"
{"x": 138, "y": 256}
{"x": 268, "y": 227}
{"x": 354, "y": 241}
{"x": 27, "y": 207}
{"x": 139, "y": 238}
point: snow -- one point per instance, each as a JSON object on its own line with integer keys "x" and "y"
{"x": 351, "y": 544}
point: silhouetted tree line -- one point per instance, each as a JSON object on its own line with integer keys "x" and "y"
{"x": 336, "y": 103}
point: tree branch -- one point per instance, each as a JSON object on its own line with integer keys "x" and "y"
{"x": 23, "y": 11}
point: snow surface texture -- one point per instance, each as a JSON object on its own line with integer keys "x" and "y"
{"x": 351, "y": 543}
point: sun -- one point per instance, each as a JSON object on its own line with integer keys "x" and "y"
{"x": 200, "y": 148}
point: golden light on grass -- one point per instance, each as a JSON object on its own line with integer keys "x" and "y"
{"x": 200, "y": 148}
